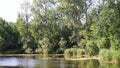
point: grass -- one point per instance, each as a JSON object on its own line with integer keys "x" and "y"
{"x": 111, "y": 56}
{"x": 105, "y": 54}
{"x": 116, "y": 56}
{"x": 80, "y": 52}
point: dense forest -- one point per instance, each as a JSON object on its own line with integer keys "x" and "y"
{"x": 90, "y": 27}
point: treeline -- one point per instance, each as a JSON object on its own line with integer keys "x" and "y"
{"x": 9, "y": 38}
{"x": 52, "y": 26}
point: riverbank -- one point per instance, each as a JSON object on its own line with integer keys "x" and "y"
{"x": 52, "y": 56}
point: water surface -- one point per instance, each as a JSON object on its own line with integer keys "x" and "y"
{"x": 40, "y": 62}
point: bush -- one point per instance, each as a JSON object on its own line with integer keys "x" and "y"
{"x": 116, "y": 56}
{"x": 92, "y": 49}
{"x": 80, "y": 52}
{"x": 109, "y": 55}
{"x": 71, "y": 52}
{"x": 74, "y": 52}
{"x": 45, "y": 51}
{"x": 60, "y": 51}
{"x": 67, "y": 52}
{"x": 28, "y": 51}
{"x": 105, "y": 54}
{"x": 101, "y": 42}
{"x": 39, "y": 51}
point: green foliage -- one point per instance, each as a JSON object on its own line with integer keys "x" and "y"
{"x": 101, "y": 43}
{"x": 92, "y": 49}
{"x": 28, "y": 50}
{"x": 71, "y": 27}
{"x": 68, "y": 52}
{"x": 106, "y": 54}
{"x": 44, "y": 43}
{"x": 71, "y": 52}
{"x": 82, "y": 44}
{"x": 9, "y": 37}
{"x": 45, "y": 51}
{"x": 72, "y": 10}
{"x": 39, "y": 50}
{"x": 60, "y": 51}
{"x": 74, "y": 52}
{"x": 80, "y": 52}
{"x": 1, "y": 41}
{"x": 62, "y": 43}
{"x": 114, "y": 40}
{"x": 116, "y": 56}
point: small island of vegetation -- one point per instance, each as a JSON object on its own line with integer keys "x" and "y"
{"x": 75, "y": 28}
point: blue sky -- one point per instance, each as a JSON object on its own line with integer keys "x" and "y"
{"x": 9, "y": 9}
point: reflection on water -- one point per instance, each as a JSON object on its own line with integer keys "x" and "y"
{"x": 17, "y": 62}
{"x": 8, "y": 62}
{"x": 38, "y": 62}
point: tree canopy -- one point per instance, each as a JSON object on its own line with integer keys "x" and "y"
{"x": 52, "y": 26}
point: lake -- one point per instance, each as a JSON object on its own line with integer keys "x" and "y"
{"x": 50, "y": 62}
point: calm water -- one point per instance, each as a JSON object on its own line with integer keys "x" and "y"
{"x": 39, "y": 62}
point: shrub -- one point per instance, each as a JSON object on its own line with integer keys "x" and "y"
{"x": 101, "y": 43}
{"x": 73, "y": 52}
{"x": 116, "y": 56}
{"x": 80, "y": 52}
{"x": 45, "y": 51}
{"x": 105, "y": 54}
{"x": 45, "y": 42}
{"x": 92, "y": 49}
{"x": 39, "y": 50}
{"x": 67, "y": 52}
{"x": 60, "y": 51}
{"x": 109, "y": 55}
{"x": 28, "y": 51}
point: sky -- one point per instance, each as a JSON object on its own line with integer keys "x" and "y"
{"x": 9, "y": 9}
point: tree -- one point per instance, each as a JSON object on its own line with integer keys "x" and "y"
{"x": 73, "y": 11}
{"x": 9, "y": 38}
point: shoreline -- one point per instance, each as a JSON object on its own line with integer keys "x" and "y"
{"x": 31, "y": 54}
{"x": 57, "y": 56}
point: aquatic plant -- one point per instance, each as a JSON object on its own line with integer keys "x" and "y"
{"x": 80, "y": 52}
{"x": 116, "y": 56}
{"x": 105, "y": 54}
